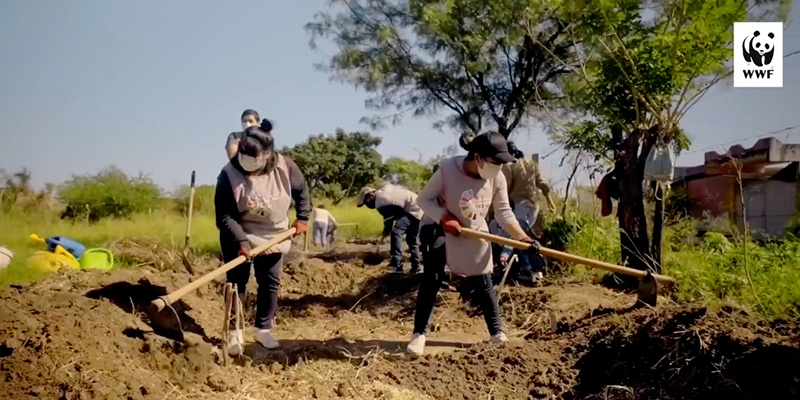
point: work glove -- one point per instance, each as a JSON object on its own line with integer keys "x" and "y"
{"x": 535, "y": 245}
{"x": 451, "y": 224}
{"x": 244, "y": 250}
{"x": 301, "y": 228}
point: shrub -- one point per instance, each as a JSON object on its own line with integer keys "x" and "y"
{"x": 716, "y": 242}
{"x": 677, "y": 203}
{"x": 109, "y": 193}
{"x": 203, "y": 199}
{"x": 793, "y": 228}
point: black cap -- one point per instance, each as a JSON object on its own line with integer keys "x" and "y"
{"x": 492, "y": 145}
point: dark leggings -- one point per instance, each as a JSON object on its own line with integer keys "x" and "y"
{"x": 268, "y": 276}
{"x": 435, "y": 259}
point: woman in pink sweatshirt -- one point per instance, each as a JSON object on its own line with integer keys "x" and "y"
{"x": 459, "y": 195}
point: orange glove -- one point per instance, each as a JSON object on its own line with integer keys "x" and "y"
{"x": 451, "y": 224}
{"x": 244, "y": 250}
{"x": 301, "y": 228}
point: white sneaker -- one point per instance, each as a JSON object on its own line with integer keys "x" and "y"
{"x": 417, "y": 345}
{"x": 266, "y": 339}
{"x": 538, "y": 276}
{"x": 499, "y": 338}
{"x": 235, "y": 343}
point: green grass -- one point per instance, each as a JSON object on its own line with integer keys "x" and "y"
{"x": 710, "y": 271}
{"x": 165, "y": 225}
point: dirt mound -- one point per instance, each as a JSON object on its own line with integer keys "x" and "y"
{"x": 154, "y": 253}
{"x": 315, "y": 288}
{"x": 689, "y": 354}
{"x": 343, "y": 328}
{"x": 612, "y": 352}
{"x": 62, "y": 344}
{"x": 517, "y": 370}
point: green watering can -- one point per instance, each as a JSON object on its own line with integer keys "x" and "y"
{"x": 97, "y": 259}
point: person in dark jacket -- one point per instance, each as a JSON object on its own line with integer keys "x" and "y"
{"x": 401, "y": 216}
{"x": 254, "y": 193}
{"x": 249, "y": 118}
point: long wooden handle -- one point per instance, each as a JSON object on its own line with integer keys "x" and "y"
{"x": 560, "y": 255}
{"x": 170, "y": 298}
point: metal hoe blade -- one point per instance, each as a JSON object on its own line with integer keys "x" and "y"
{"x": 648, "y": 290}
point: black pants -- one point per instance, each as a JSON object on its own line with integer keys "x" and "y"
{"x": 409, "y": 226}
{"x": 268, "y": 276}
{"x": 435, "y": 259}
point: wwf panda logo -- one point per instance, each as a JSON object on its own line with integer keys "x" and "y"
{"x": 759, "y": 49}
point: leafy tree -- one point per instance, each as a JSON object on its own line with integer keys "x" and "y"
{"x": 476, "y": 59}
{"x": 643, "y": 65}
{"x": 337, "y": 166}
{"x": 109, "y": 193}
{"x": 413, "y": 175}
{"x": 16, "y": 185}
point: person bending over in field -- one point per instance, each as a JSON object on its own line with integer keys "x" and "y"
{"x": 459, "y": 195}
{"x": 323, "y": 225}
{"x": 401, "y": 216}
{"x": 249, "y": 118}
{"x": 254, "y": 193}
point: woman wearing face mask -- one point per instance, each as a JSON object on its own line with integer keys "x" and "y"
{"x": 459, "y": 195}
{"x": 253, "y": 195}
{"x": 249, "y": 118}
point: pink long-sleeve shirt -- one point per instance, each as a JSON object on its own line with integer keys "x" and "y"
{"x": 468, "y": 199}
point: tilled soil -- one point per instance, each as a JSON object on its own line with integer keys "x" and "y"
{"x": 343, "y": 327}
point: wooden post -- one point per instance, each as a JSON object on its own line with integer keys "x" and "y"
{"x": 189, "y": 213}
{"x": 226, "y": 320}
{"x": 238, "y": 311}
{"x": 309, "y": 232}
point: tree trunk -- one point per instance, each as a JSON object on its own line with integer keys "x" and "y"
{"x": 634, "y": 241}
{"x": 569, "y": 183}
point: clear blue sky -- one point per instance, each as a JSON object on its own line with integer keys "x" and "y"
{"x": 155, "y": 86}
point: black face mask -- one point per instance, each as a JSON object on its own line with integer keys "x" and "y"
{"x": 370, "y": 203}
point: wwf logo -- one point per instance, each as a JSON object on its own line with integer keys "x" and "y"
{"x": 759, "y": 49}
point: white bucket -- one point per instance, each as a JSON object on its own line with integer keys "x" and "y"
{"x": 5, "y": 257}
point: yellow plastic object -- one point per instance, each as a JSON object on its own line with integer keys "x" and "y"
{"x": 97, "y": 259}
{"x": 64, "y": 252}
{"x": 35, "y": 239}
{"x": 47, "y": 261}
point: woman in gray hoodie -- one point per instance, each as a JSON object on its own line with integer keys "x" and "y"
{"x": 459, "y": 195}
{"x": 254, "y": 193}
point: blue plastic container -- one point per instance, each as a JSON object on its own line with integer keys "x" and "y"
{"x": 68, "y": 244}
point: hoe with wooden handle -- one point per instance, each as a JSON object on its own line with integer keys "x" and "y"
{"x": 648, "y": 282}
{"x": 185, "y": 254}
{"x": 158, "y": 316}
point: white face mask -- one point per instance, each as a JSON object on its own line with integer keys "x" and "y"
{"x": 251, "y": 164}
{"x": 246, "y": 125}
{"x": 488, "y": 170}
